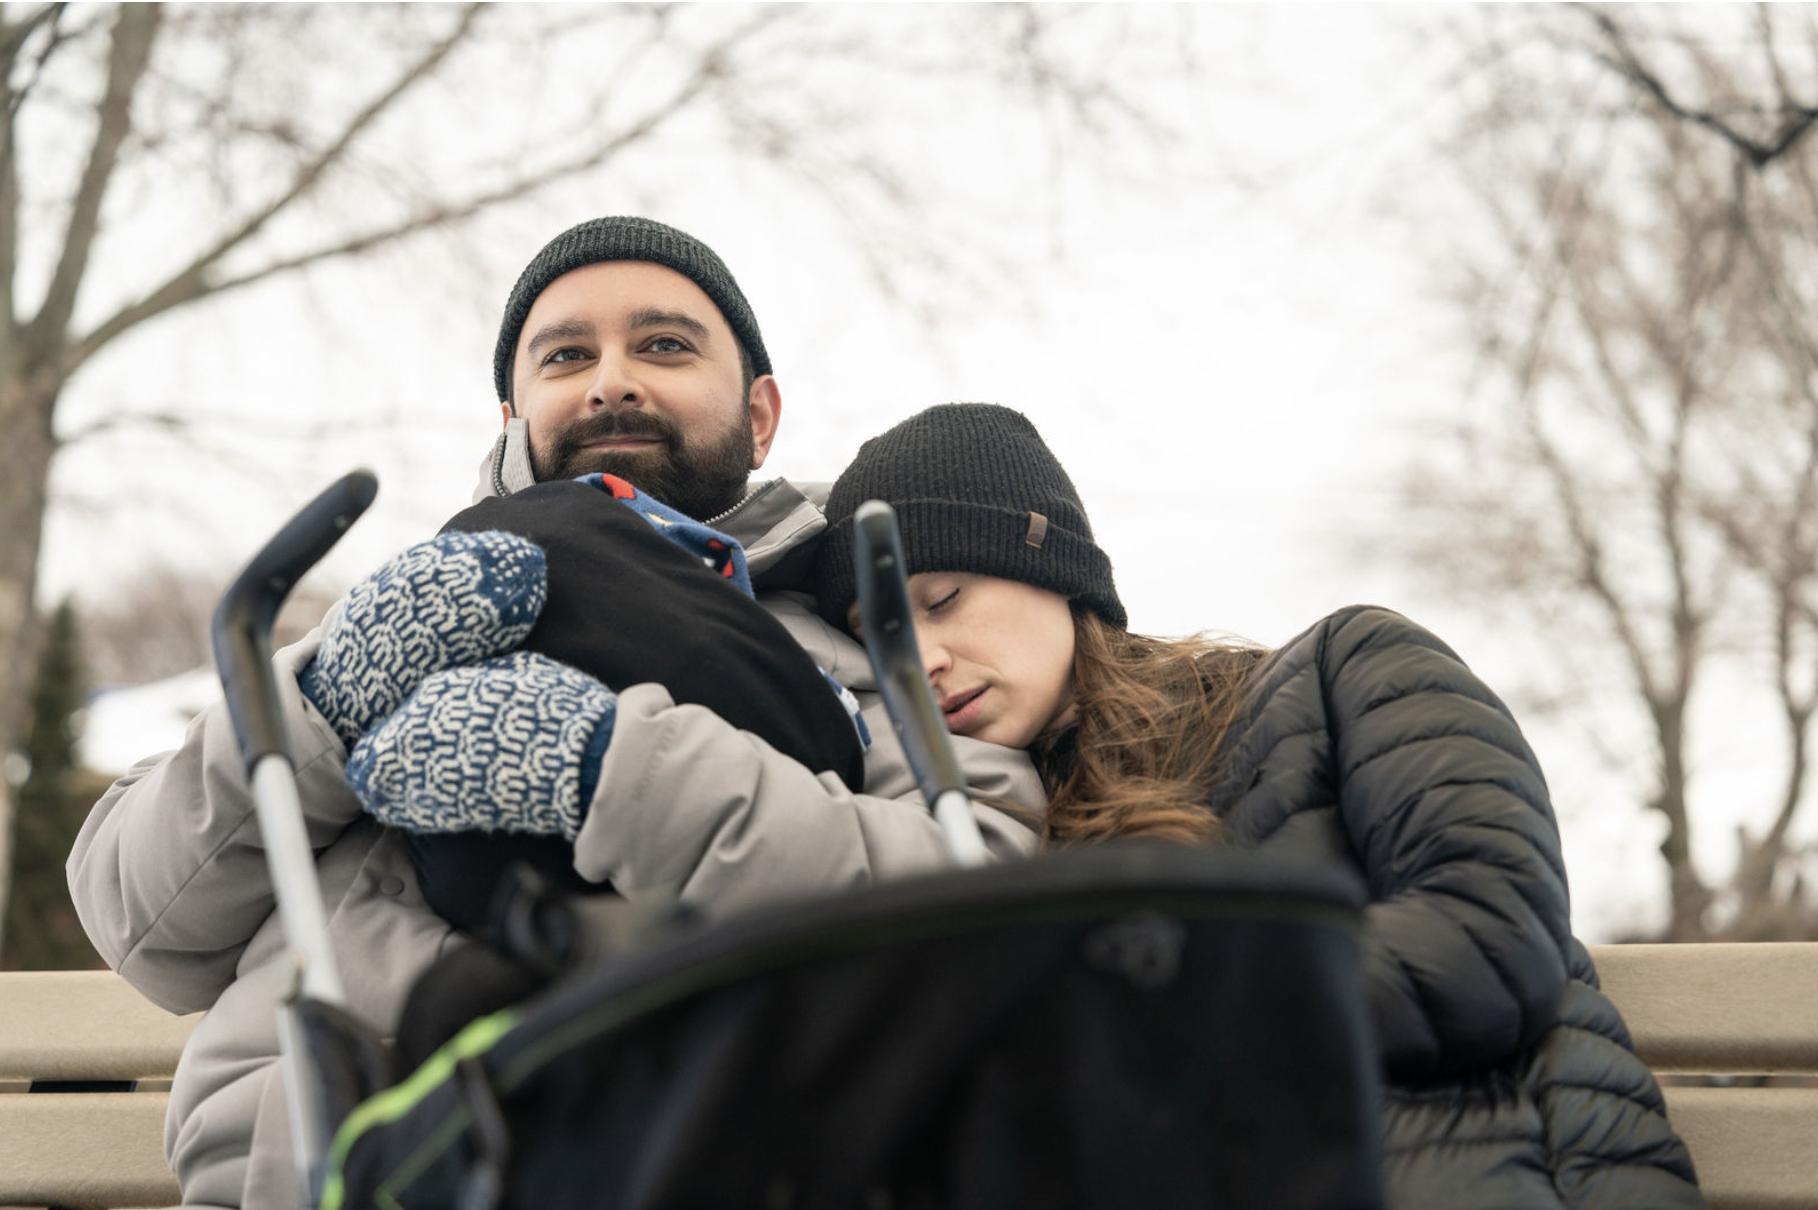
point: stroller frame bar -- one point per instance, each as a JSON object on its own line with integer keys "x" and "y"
{"x": 883, "y": 593}
{"x": 240, "y": 633}
{"x": 293, "y": 876}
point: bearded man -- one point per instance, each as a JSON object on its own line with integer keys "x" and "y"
{"x": 627, "y": 348}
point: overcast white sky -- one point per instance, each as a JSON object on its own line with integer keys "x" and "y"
{"x": 1233, "y": 356}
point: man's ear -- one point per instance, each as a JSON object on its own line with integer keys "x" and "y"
{"x": 765, "y": 404}
{"x": 504, "y": 413}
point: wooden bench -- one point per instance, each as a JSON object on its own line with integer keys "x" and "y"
{"x": 1728, "y": 1010}
{"x": 85, "y": 1067}
{"x": 1731, "y": 1010}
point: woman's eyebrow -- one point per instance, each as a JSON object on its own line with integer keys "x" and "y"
{"x": 654, "y": 317}
{"x": 558, "y": 329}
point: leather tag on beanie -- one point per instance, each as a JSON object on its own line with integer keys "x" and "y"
{"x": 1038, "y": 530}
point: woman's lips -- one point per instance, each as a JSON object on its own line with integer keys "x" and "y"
{"x": 962, "y": 710}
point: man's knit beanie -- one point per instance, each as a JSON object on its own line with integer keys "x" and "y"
{"x": 975, "y": 489}
{"x": 622, "y": 237}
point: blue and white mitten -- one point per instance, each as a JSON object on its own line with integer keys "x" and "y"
{"x": 456, "y": 599}
{"x": 510, "y": 745}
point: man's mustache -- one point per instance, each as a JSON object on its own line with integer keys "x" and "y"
{"x": 607, "y": 425}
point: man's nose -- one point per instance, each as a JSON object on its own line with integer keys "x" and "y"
{"x": 614, "y": 385}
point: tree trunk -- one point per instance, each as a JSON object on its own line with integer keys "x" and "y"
{"x": 1691, "y": 899}
{"x": 26, "y": 404}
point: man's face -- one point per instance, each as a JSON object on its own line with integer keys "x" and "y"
{"x": 629, "y": 368}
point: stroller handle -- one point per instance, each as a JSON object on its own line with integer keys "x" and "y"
{"x": 883, "y": 593}
{"x": 241, "y": 636}
{"x": 241, "y": 630}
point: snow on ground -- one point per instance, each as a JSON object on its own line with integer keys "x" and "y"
{"x": 123, "y": 726}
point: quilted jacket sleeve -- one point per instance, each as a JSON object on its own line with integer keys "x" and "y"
{"x": 690, "y": 806}
{"x": 1467, "y": 932}
{"x": 168, "y": 875}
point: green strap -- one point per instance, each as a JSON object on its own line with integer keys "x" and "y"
{"x": 398, "y": 1100}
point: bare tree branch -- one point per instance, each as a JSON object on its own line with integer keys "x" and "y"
{"x": 1770, "y": 51}
{"x": 1798, "y": 119}
{"x": 13, "y": 40}
{"x": 186, "y": 418}
{"x": 1526, "y": 365}
{"x": 13, "y": 34}
{"x": 168, "y": 420}
{"x": 193, "y": 280}
{"x": 60, "y": 34}
{"x": 135, "y": 28}
{"x": 1785, "y": 571}
{"x": 1655, "y": 343}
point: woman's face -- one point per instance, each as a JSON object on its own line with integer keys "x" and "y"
{"x": 999, "y": 654}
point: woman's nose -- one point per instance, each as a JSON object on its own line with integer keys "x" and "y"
{"x": 936, "y": 659}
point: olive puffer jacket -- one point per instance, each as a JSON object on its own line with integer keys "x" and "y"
{"x": 1512, "y": 1082}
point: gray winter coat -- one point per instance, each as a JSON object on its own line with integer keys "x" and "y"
{"x": 170, "y": 882}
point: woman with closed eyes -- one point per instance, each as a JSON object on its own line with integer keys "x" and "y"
{"x": 1364, "y": 741}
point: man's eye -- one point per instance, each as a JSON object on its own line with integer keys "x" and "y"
{"x": 666, "y": 344}
{"x": 565, "y": 353}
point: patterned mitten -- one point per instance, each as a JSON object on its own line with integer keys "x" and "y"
{"x": 456, "y": 599}
{"x": 510, "y": 745}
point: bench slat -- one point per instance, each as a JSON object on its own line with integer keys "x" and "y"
{"x": 1706, "y": 1008}
{"x": 84, "y": 1149}
{"x": 1727, "y": 1009}
{"x": 84, "y": 1025}
{"x": 1752, "y": 1146}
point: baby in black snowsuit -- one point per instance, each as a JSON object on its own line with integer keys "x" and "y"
{"x": 640, "y": 593}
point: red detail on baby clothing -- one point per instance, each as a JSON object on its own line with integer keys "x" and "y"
{"x": 620, "y": 489}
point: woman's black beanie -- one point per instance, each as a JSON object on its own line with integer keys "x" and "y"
{"x": 622, "y": 237}
{"x": 975, "y": 489}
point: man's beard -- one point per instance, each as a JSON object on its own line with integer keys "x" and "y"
{"x": 698, "y": 481}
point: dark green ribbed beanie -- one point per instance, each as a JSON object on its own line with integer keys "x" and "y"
{"x": 623, "y": 237}
{"x": 975, "y": 489}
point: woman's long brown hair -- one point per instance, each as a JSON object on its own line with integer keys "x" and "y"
{"x": 1144, "y": 754}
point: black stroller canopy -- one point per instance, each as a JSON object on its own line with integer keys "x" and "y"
{"x": 1126, "y": 1025}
